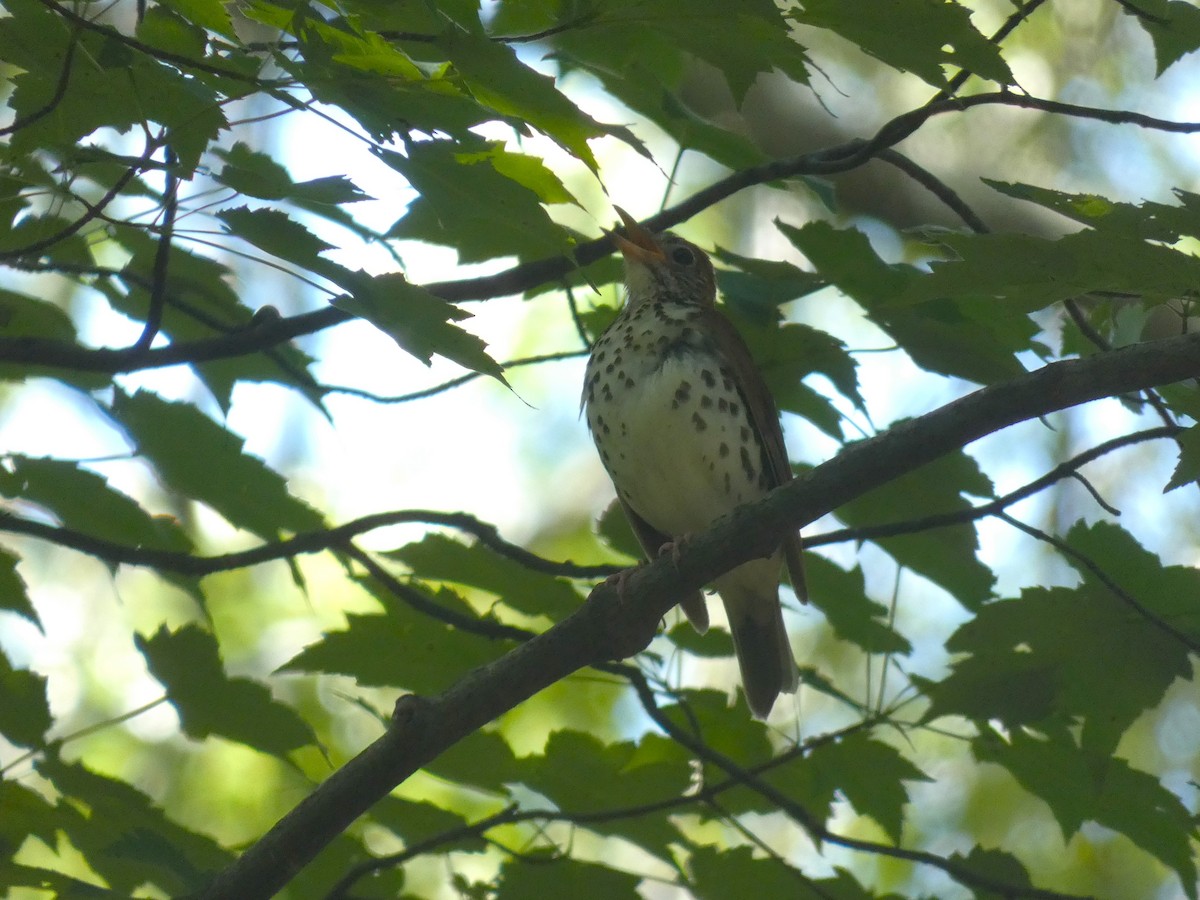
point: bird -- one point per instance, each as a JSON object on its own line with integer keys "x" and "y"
{"x": 687, "y": 430}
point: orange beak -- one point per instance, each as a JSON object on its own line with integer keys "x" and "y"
{"x": 639, "y": 244}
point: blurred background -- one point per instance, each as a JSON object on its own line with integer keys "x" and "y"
{"x": 521, "y": 457}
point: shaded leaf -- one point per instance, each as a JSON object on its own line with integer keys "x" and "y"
{"x": 187, "y": 449}
{"x": 188, "y": 664}
{"x": 202, "y": 303}
{"x": 564, "y": 877}
{"x": 613, "y": 526}
{"x": 1001, "y": 867}
{"x": 437, "y": 557}
{"x": 969, "y": 337}
{"x": 419, "y": 322}
{"x": 1173, "y": 25}
{"x": 574, "y": 763}
{"x": 714, "y": 870}
{"x": 112, "y": 835}
{"x": 1071, "y": 654}
{"x": 400, "y": 648}
{"x": 918, "y": 36}
{"x": 1188, "y": 468}
{"x": 758, "y": 287}
{"x": 26, "y": 814}
{"x": 25, "y": 712}
{"x": 944, "y": 555}
{"x": 416, "y": 820}
{"x": 84, "y": 501}
{"x": 841, "y": 597}
{"x": 500, "y": 81}
{"x": 713, "y": 644}
{"x": 1080, "y": 786}
{"x": 467, "y": 203}
{"x": 459, "y": 764}
{"x": 14, "y": 596}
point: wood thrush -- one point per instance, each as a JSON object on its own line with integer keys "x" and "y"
{"x": 688, "y": 431}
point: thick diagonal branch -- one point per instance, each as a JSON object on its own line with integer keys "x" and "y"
{"x": 608, "y": 627}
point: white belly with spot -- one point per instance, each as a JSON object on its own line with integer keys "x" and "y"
{"x": 676, "y": 447}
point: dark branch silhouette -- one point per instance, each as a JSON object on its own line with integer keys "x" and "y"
{"x": 269, "y": 331}
{"x": 615, "y": 624}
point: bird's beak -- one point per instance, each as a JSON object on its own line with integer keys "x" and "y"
{"x": 637, "y": 244}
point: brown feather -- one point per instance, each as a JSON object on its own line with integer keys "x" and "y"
{"x": 765, "y": 418}
{"x": 652, "y": 541}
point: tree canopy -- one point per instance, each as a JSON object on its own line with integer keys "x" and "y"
{"x": 304, "y": 552}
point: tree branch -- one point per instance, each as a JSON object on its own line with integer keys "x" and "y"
{"x": 310, "y": 542}
{"x": 262, "y": 335}
{"x": 815, "y": 828}
{"x": 616, "y": 624}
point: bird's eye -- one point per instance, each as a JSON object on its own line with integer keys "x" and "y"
{"x": 683, "y": 256}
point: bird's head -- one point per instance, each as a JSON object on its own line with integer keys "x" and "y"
{"x": 664, "y": 266}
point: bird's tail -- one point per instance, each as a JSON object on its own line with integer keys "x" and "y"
{"x": 760, "y": 639}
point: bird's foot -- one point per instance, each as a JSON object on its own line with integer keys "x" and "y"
{"x": 675, "y": 547}
{"x": 620, "y": 581}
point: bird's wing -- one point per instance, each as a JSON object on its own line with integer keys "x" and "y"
{"x": 765, "y": 419}
{"x": 652, "y": 541}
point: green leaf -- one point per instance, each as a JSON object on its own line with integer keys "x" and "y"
{"x": 1173, "y": 25}
{"x": 564, "y": 877}
{"x": 714, "y": 870}
{"x": 115, "y": 835}
{"x": 713, "y": 644}
{"x": 869, "y": 774}
{"x": 918, "y": 36}
{"x": 202, "y": 304}
{"x": 210, "y": 14}
{"x": 256, "y": 174}
{"x": 788, "y": 353}
{"x": 25, "y": 712}
{"x": 1011, "y": 275}
{"x": 437, "y": 557}
{"x": 14, "y": 875}
{"x": 454, "y": 180}
{"x": 84, "y": 501}
{"x": 14, "y": 596}
{"x": 613, "y": 527}
{"x": 841, "y": 597}
{"x": 650, "y": 42}
{"x": 644, "y": 68}
{"x": 273, "y": 231}
{"x": 574, "y": 763}
{"x": 1080, "y": 654}
{"x": 945, "y": 555}
{"x": 188, "y": 664}
{"x": 1000, "y": 867}
{"x": 199, "y": 459}
{"x": 970, "y": 337}
{"x": 416, "y": 820}
{"x": 26, "y": 814}
{"x": 161, "y": 28}
{"x": 109, "y": 86}
{"x": 501, "y": 82}
{"x": 401, "y": 648}
{"x": 728, "y": 729}
{"x": 459, "y": 764}
{"x": 419, "y": 322}
{"x": 23, "y": 316}
{"x": 1080, "y": 786}
{"x": 525, "y": 170}
{"x": 1012, "y": 688}
{"x": 759, "y": 287}
{"x": 1188, "y": 468}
